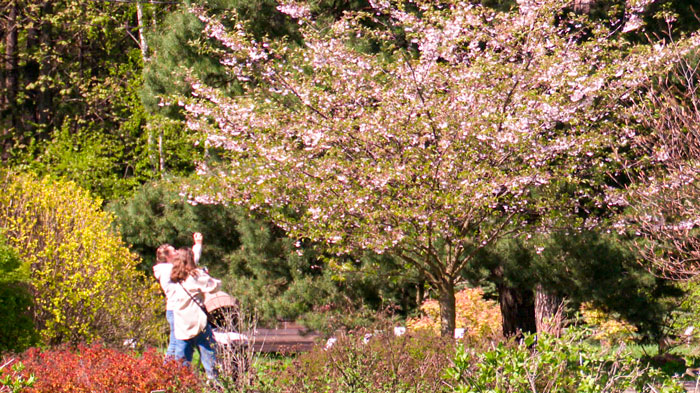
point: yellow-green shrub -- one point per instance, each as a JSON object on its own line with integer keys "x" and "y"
{"x": 608, "y": 329}
{"x": 479, "y": 317}
{"x": 83, "y": 277}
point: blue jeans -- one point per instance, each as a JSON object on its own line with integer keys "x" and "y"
{"x": 204, "y": 341}
{"x": 170, "y": 316}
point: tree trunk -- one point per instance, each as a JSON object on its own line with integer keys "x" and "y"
{"x": 152, "y": 150}
{"x": 447, "y": 308}
{"x": 517, "y": 310}
{"x": 11, "y": 70}
{"x": 161, "y": 159}
{"x": 11, "y": 79}
{"x": 44, "y": 96}
{"x": 142, "y": 33}
{"x": 549, "y": 311}
{"x": 420, "y": 292}
{"x": 583, "y": 6}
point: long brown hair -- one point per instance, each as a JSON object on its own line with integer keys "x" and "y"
{"x": 183, "y": 265}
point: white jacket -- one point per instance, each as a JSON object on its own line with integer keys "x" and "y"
{"x": 190, "y": 319}
{"x": 162, "y": 272}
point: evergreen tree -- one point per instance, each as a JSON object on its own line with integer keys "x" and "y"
{"x": 16, "y": 304}
{"x": 288, "y": 279}
{"x": 158, "y": 213}
{"x": 603, "y": 269}
{"x": 180, "y": 49}
{"x": 583, "y": 267}
{"x": 280, "y": 277}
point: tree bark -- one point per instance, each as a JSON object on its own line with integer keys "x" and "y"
{"x": 549, "y": 314}
{"x": 583, "y": 6}
{"x": 142, "y": 33}
{"x": 420, "y": 292}
{"x": 151, "y": 150}
{"x": 447, "y": 308}
{"x": 11, "y": 63}
{"x": 161, "y": 159}
{"x": 517, "y": 310}
{"x": 44, "y": 96}
{"x": 11, "y": 78}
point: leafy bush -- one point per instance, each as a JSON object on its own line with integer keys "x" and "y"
{"x": 16, "y": 303}
{"x": 82, "y": 276}
{"x": 547, "y": 364}
{"x": 13, "y": 380}
{"x": 479, "y": 317}
{"x": 97, "y": 368}
{"x": 381, "y": 363}
{"x": 608, "y": 329}
{"x": 685, "y": 315}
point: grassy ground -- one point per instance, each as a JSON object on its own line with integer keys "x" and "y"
{"x": 679, "y": 361}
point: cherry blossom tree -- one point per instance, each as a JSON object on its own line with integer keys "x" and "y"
{"x": 426, "y": 129}
{"x": 664, "y": 212}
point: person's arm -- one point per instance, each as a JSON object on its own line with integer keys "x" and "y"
{"x": 197, "y": 247}
{"x": 162, "y": 272}
{"x": 203, "y": 283}
{"x": 212, "y": 285}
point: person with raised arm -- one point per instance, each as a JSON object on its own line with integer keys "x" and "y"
{"x": 162, "y": 270}
{"x": 192, "y": 329}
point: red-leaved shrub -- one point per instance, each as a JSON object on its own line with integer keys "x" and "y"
{"x": 97, "y": 368}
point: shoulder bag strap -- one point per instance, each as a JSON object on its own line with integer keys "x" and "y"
{"x": 197, "y": 302}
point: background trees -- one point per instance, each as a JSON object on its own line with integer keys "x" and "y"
{"x": 419, "y": 131}
{"x": 482, "y": 123}
{"x": 70, "y": 105}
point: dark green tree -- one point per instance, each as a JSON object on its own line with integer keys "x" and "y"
{"x": 582, "y": 267}
{"x": 280, "y": 277}
{"x": 16, "y": 325}
{"x": 179, "y": 47}
{"x": 602, "y": 268}
{"x": 288, "y": 279}
{"x": 158, "y": 214}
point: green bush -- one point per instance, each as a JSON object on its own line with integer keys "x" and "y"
{"x": 380, "y": 363}
{"x": 16, "y": 325}
{"x": 81, "y": 275}
{"x": 548, "y": 364}
{"x": 12, "y": 378}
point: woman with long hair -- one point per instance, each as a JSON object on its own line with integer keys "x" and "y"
{"x": 162, "y": 270}
{"x": 190, "y": 322}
